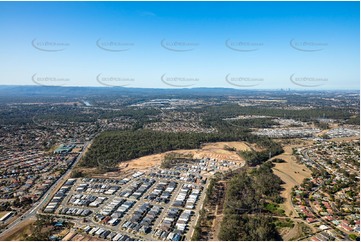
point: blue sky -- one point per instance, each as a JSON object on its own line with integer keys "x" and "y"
{"x": 262, "y": 45}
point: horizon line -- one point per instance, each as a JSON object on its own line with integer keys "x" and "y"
{"x": 181, "y": 88}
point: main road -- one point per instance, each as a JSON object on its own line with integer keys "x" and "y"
{"x": 44, "y": 199}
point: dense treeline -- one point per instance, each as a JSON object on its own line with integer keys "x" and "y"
{"x": 254, "y": 158}
{"x": 354, "y": 120}
{"x": 253, "y": 123}
{"x": 236, "y": 227}
{"x": 234, "y": 110}
{"x": 303, "y": 115}
{"x": 245, "y": 210}
{"x": 247, "y": 192}
{"x": 111, "y": 147}
{"x": 321, "y": 125}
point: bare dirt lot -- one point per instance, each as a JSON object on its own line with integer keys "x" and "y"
{"x": 346, "y": 138}
{"x": 21, "y": 231}
{"x": 209, "y": 150}
{"x": 220, "y": 145}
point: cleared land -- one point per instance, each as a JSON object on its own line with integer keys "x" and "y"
{"x": 292, "y": 173}
{"x": 21, "y": 231}
{"x": 209, "y": 150}
{"x": 346, "y": 138}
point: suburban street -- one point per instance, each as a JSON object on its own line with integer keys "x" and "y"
{"x": 31, "y": 213}
{"x": 309, "y": 204}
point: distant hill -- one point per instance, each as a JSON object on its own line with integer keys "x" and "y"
{"x": 84, "y": 91}
{"x": 10, "y": 90}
